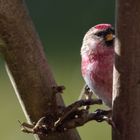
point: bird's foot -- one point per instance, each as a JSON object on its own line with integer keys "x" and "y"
{"x": 87, "y": 95}
{"x": 105, "y": 115}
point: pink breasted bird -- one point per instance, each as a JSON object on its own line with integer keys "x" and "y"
{"x": 97, "y": 54}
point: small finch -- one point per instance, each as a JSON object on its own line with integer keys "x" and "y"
{"x": 97, "y": 54}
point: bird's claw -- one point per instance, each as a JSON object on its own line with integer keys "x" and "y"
{"x": 105, "y": 115}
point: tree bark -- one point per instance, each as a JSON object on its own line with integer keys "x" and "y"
{"x": 126, "y": 84}
{"x": 27, "y": 66}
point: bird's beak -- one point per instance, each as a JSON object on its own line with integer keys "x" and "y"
{"x": 109, "y": 37}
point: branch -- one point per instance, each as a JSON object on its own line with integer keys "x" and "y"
{"x": 69, "y": 117}
{"x": 27, "y": 66}
{"x": 126, "y": 87}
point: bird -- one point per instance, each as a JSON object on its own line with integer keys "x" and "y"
{"x": 97, "y": 58}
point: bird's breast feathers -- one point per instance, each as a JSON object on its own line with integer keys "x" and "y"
{"x": 97, "y": 72}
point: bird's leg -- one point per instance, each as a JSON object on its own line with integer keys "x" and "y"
{"x": 88, "y": 95}
{"x": 84, "y": 93}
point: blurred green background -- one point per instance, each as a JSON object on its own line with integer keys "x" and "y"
{"x": 61, "y": 26}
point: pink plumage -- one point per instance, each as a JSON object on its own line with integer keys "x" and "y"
{"x": 97, "y": 54}
{"x": 102, "y": 26}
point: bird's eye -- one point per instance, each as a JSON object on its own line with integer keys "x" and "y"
{"x": 99, "y": 34}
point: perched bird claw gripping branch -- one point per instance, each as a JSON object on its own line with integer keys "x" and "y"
{"x": 97, "y": 69}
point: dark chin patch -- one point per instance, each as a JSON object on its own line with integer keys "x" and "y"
{"x": 109, "y": 43}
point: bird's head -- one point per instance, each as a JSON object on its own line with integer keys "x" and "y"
{"x": 99, "y": 38}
